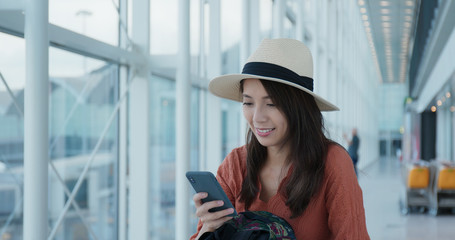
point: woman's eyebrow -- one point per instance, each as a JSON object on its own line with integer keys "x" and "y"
{"x": 248, "y": 96}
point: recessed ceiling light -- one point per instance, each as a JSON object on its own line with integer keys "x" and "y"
{"x": 386, "y": 24}
{"x": 408, "y": 11}
{"x": 409, "y": 3}
{"x": 364, "y": 17}
{"x": 385, "y": 18}
{"x": 361, "y": 2}
{"x": 385, "y": 11}
{"x": 363, "y": 10}
{"x": 384, "y": 3}
{"x": 366, "y": 23}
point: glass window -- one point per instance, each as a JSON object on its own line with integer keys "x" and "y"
{"x": 266, "y": 17}
{"x": 231, "y": 128}
{"x": 163, "y": 26}
{"x": 83, "y": 94}
{"x": 289, "y": 28}
{"x": 231, "y": 23}
{"x": 97, "y": 19}
{"x": 164, "y": 37}
{"x": 163, "y": 143}
{"x": 231, "y": 30}
{"x": 12, "y": 68}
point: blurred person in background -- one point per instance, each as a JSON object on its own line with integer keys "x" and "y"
{"x": 353, "y": 147}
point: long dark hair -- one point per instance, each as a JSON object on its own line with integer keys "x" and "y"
{"x": 307, "y": 148}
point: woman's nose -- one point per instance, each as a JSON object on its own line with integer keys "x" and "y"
{"x": 259, "y": 115}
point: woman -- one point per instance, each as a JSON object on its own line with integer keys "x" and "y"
{"x": 288, "y": 167}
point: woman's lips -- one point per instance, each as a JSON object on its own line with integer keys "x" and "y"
{"x": 264, "y": 132}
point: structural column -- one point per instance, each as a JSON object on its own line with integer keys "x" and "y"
{"x": 279, "y": 13}
{"x": 123, "y": 136}
{"x": 139, "y": 115}
{"x": 245, "y": 52}
{"x": 214, "y": 134}
{"x": 183, "y": 90}
{"x": 36, "y": 110}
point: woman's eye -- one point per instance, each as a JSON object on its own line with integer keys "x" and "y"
{"x": 271, "y": 105}
{"x": 247, "y": 104}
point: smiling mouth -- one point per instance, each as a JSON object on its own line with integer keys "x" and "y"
{"x": 263, "y": 132}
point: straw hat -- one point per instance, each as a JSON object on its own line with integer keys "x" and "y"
{"x": 286, "y": 61}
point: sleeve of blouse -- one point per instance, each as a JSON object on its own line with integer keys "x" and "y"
{"x": 344, "y": 201}
{"x": 225, "y": 179}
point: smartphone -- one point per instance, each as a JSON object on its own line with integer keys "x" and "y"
{"x": 203, "y": 181}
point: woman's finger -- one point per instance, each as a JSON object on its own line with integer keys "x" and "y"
{"x": 198, "y": 197}
{"x": 207, "y": 216}
{"x": 204, "y": 208}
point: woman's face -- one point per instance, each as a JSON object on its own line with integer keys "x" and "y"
{"x": 268, "y": 124}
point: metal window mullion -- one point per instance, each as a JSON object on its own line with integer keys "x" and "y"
{"x": 138, "y": 129}
{"x": 123, "y": 133}
{"x": 36, "y": 119}
{"x": 202, "y": 82}
{"x": 213, "y": 107}
{"x": 183, "y": 99}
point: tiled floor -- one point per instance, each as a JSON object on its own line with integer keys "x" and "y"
{"x": 382, "y": 185}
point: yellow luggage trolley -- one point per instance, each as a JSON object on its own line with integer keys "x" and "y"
{"x": 417, "y": 181}
{"x": 443, "y": 189}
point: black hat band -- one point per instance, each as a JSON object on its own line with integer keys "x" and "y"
{"x": 275, "y": 71}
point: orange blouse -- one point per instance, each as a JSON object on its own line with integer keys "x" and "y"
{"x": 335, "y": 212}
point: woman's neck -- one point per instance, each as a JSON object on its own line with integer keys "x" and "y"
{"x": 276, "y": 156}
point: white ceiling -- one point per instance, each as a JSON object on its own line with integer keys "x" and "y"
{"x": 389, "y": 25}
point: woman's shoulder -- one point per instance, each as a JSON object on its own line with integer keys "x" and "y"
{"x": 235, "y": 160}
{"x": 232, "y": 170}
{"x": 336, "y": 149}
{"x": 239, "y": 151}
{"x": 337, "y": 157}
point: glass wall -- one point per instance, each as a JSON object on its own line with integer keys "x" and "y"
{"x": 81, "y": 103}
{"x": 163, "y": 144}
{"x": 163, "y": 27}
{"x": 12, "y": 70}
{"x": 97, "y": 19}
{"x": 82, "y": 95}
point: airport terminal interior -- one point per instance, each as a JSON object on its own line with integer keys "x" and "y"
{"x": 104, "y": 105}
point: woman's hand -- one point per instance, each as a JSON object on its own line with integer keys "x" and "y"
{"x": 210, "y": 220}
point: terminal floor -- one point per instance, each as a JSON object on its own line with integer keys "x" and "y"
{"x": 382, "y": 185}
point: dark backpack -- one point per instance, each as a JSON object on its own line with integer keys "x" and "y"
{"x": 253, "y": 225}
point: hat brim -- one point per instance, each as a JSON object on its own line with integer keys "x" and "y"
{"x": 228, "y": 86}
